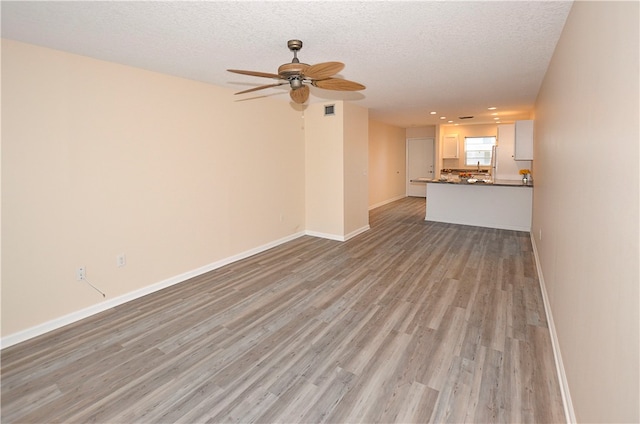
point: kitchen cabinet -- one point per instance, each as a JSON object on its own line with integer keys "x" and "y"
{"x": 450, "y": 146}
{"x": 524, "y": 140}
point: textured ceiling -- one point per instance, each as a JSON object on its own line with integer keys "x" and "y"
{"x": 456, "y": 58}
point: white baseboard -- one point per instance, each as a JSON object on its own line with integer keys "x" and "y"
{"x": 357, "y": 232}
{"x": 328, "y": 236}
{"x": 337, "y": 237}
{"x": 54, "y": 324}
{"x": 386, "y": 202}
{"x": 569, "y": 413}
{"x": 497, "y": 225}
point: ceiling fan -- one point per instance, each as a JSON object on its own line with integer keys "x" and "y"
{"x": 300, "y": 75}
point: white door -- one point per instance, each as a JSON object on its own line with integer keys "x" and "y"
{"x": 419, "y": 164}
{"x": 506, "y": 165}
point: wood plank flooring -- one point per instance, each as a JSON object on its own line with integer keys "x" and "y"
{"x": 412, "y": 321}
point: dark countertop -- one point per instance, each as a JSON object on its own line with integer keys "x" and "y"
{"x": 459, "y": 170}
{"x": 495, "y": 183}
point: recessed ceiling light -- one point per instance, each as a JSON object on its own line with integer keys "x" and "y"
{"x": 492, "y": 108}
{"x": 433, "y": 113}
{"x": 494, "y": 113}
{"x": 496, "y": 119}
{"x": 449, "y": 121}
{"x": 443, "y": 117}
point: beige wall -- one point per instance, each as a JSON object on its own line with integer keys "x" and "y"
{"x": 585, "y": 217}
{"x": 428, "y": 131}
{"x": 387, "y": 163}
{"x": 356, "y": 162}
{"x": 388, "y": 160}
{"x": 479, "y": 130}
{"x": 324, "y": 170}
{"x": 100, "y": 159}
{"x": 336, "y": 170}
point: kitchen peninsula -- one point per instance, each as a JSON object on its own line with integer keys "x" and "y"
{"x": 503, "y": 204}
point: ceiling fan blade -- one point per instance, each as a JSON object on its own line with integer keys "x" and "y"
{"x": 338, "y": 84}
{"x": 254, "y": 73}
{"x": 300, "y": 95}
{"x": 323, "y": 70}
{"x": 262, "y": 87}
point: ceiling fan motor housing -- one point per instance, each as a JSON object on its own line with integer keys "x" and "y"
{"x": 292, "y": 69}
{"x": 294, "y": 73}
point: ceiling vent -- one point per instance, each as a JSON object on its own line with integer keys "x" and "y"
{"x": 329, "y": 110}
{"x": 465, "y": 117}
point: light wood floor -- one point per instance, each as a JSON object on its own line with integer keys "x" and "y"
{"x": 412, "y": 321}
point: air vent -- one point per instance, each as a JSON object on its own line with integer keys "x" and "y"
{"x": 465, "y": 117}
{"x": 329, "y": 110}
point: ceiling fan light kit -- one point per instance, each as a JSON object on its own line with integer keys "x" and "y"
{"x": 300, "y": 75}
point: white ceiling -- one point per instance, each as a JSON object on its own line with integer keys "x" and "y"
{"x": 456, "y": 57}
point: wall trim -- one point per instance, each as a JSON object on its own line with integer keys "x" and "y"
{"x": 496, "y": 225}
{"x": 337, "y": 237}
{"x": 359, "y": 231}
{"x": 56, "y": 323}
{"x": 569, "y": 412}
{"x": 386, "y": 202}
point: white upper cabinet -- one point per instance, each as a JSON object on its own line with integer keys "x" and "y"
{"x": 524, "y": 140}
{"x": 450, "y": 146}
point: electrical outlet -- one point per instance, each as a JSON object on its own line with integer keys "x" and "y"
{"x": 81, "y": 273}
{"x": 121, "y": 260}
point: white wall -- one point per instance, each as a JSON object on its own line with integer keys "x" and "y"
{"x": 100, "y": 159}
{"x": 585, "y": 215}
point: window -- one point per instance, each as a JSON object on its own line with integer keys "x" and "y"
{"x": 478, "y": 149}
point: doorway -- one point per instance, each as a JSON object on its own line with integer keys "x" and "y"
{"x": 420, "y": 158}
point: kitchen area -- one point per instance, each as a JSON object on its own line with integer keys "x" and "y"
{"x": 484, "y": 178}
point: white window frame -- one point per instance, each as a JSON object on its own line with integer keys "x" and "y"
{"x": 483, "y": 155}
